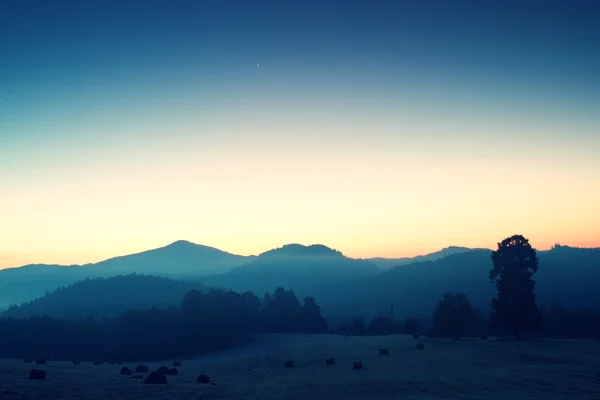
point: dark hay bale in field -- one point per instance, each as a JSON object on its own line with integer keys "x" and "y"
{"x": 357, "y": 365}
{"x": 330, "y": 361}
{"x": 163, "y": 370}
{"x": 76, "y": 362}
{"x": 174, "y": 371}
{"x": 28, "y": 361}
{"x": 37, "y": 374}
{"x": 420, "y": 346}
{"x": 384, "y": 352}
{"x": 97, "y": 362}
{"x": 155, "y": 378}
{"x": 204, "y": 379}
{"x": 483, "y": 337}
{"x": 416, "y": 336}
{"x": 40, "y": 361}
{"x": 126, "y": 371}
{"x": 289, "y": 363}
{"x": 141, "y": 369}
{"x": 177, "y": 363}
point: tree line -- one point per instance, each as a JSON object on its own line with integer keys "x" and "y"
{"x": 203, "y": 322}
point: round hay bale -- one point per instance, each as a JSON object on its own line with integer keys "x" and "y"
{"x": 289, "y": 363}
{"x": 163, "y": 370}
{"x": 330, "y": 361}
{"x": 155, "y": 378}
{"x": 384, "y": 352}
{"x": 357, "y": 365}
{"x": 204, "y": 379}
{"x": 141, "y": 369}
{"x": 126, "y": 371}
{"x": 420, "y": 346}
{"x": 37, "y": 374}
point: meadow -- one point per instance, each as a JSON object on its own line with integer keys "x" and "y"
{"x": 446, "y": 369}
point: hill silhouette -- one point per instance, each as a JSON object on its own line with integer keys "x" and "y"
{"x": 180, "y": 260}
{"x": 387, "y": 263}
{"x": 106, "y": 297}
{"x": 295, "y": 266}
{"x": 566, "y": 275}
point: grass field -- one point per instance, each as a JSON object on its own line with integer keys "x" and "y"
{"x": 446, "y": 369}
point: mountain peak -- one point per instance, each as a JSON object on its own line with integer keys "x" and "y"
{"x": 300, "y": 250}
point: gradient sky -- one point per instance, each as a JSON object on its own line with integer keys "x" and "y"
{"x": 379, "y": 128}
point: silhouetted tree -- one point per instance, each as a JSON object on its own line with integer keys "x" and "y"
{"x": 311, "y": 316}
{"x": 514, "y": 308}
{"x": 381, "y": 326}
{"x": 452, "y": 316}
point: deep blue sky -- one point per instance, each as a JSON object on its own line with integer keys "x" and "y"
{"x": 101, "y": 90}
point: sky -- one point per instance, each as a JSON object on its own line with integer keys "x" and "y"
{"x": 378, "y": 128}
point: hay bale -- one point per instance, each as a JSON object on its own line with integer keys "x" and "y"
{"x": 420, "y": 346}
{"x": 177, "y": 363}
{"x": 126, "y": 371}
{"x": 28, "y": 361}
{"x": 204, "y": 379}
{"x": 357, "y": 365}
{"x": 289, "y": 363}
{"x": 163, "y": 370}
{"x": 40, "y": 361}
{"x": 330, "y": 361}
{"x": 141, "y": 369}
{"x": 155, "y": 378}
{"x": 384, "y": 352}
{"x": 174, "y": 371}
{"x": 37, "y": 374}
{"x": 416, "y": 336}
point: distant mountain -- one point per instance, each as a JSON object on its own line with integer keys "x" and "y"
{"x": 387, "y": 263}
{"x": 106, "y": 297}
{"x": 294, "y": 266}
{"x": 566, "y": 275}
{"x": 181, "y": 260}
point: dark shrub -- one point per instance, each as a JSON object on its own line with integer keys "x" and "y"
{"x": 203, "y": 379}
{"x": 289, "y": 363}
{"x": 420, "y": 346}
{"x": 126, "y": 371}
{"x": 330, "y": 361}
{"x": 357, "y": 365}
